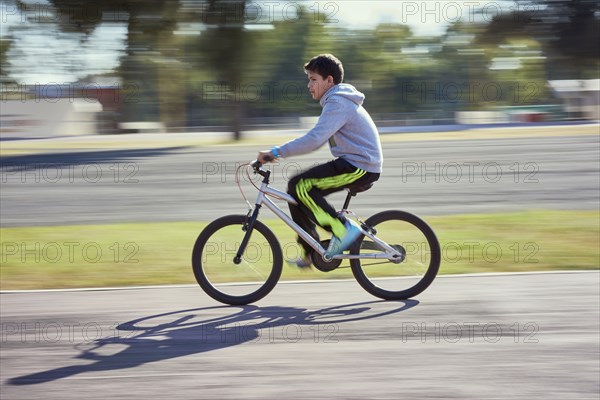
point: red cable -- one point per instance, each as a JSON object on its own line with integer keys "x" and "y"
{"x": 237, "y": 180}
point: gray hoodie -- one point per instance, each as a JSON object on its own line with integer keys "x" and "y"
{"x": 347, "y": 126}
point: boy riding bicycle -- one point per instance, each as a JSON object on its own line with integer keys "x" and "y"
{"x": 354, "y": 141}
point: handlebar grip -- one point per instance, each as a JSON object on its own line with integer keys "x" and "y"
{"x": 256, "y": 164}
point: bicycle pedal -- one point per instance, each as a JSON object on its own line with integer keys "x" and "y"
{"x": 322, "y": 265}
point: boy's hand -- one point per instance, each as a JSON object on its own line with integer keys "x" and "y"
{"x": 265, "y": 156}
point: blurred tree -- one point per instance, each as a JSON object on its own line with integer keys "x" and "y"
{"x": 268, "y": 78}
{"x": 155, "y": 79}
{"x": 211, "y": 62}
{"x": 388, "y": 67}
{"x": 225, "y": 45}
{"x": 275, "y": 66}
{"x": 149, "y": 68}
{"x": 147, "y": 92}
{"x": 5, "y": 43}
{"x": 375, "y": 61}
{"x": 464, "y": 68}
{"x": 568, "y": 30}
{"x": 519, "y": 69}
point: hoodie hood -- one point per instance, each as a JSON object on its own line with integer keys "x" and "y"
{"x": 346, "y": 126}
{"x": 344, "y": 90}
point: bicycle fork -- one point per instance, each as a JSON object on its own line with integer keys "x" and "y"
{"x": 247, "y": 227}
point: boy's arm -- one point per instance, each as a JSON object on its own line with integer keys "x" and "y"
{"x": 333, "y": 117}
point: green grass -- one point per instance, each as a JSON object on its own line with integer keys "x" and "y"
{"x": 160, "y": 253}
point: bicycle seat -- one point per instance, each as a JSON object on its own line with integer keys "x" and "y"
{"x": 354, "y": 190}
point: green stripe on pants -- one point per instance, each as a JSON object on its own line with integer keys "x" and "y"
{"x": 323, "y": 218}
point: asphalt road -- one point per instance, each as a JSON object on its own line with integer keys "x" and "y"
{"x": 531, "y": 336}
{"x": 428, "y": 177}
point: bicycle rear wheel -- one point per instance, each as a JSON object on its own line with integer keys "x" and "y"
{"x": 398, "y": 280}
{"x": 236, "y": 283}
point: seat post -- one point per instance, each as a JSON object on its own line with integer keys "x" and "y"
{"x": 353, "y": 191}
{"x": 347, "y": 202}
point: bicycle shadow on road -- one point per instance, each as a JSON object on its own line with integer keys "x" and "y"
{"x": 186, "y": 332}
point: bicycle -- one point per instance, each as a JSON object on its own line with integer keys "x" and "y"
{"x": 243, "y": 250}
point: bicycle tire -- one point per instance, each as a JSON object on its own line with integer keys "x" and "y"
{"x": 429, "y": 272}
{"x": 201, "y": 269}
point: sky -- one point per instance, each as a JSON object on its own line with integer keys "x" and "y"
{"x": 42, "y": 54}
{"x": 425, "y": 18}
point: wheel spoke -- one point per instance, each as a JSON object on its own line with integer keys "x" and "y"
{"x": 258, "y": 273}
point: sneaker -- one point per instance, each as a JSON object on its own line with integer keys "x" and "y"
{"x": 338, "y": 245}
{"x": 301, "y": 262}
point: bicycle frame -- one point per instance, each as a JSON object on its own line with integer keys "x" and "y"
{"x": 265, "y": 191}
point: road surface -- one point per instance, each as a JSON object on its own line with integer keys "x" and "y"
{"x": 170, "y": 183}
{"x": 507, "y": 336}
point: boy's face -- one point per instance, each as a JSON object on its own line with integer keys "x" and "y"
{"x": 317, "y": 85}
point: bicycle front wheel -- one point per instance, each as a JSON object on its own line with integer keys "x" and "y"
{"x": 393, "y": 280}
{"x": 247, "y": 281}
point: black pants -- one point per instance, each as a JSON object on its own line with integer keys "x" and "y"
{"x": 310, "y": 188}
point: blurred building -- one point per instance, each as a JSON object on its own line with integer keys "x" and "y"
{"x": 35, "y": 112}
{"x": 39, "y": 111}
{"x": 581, "y": 97}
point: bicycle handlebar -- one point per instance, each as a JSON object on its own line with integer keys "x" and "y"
{"x": 257, "y": 164}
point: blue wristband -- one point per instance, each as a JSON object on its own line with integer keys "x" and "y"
{"x": 275, "y": 151}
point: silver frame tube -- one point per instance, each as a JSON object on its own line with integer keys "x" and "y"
{"x": 262, "y": 199}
